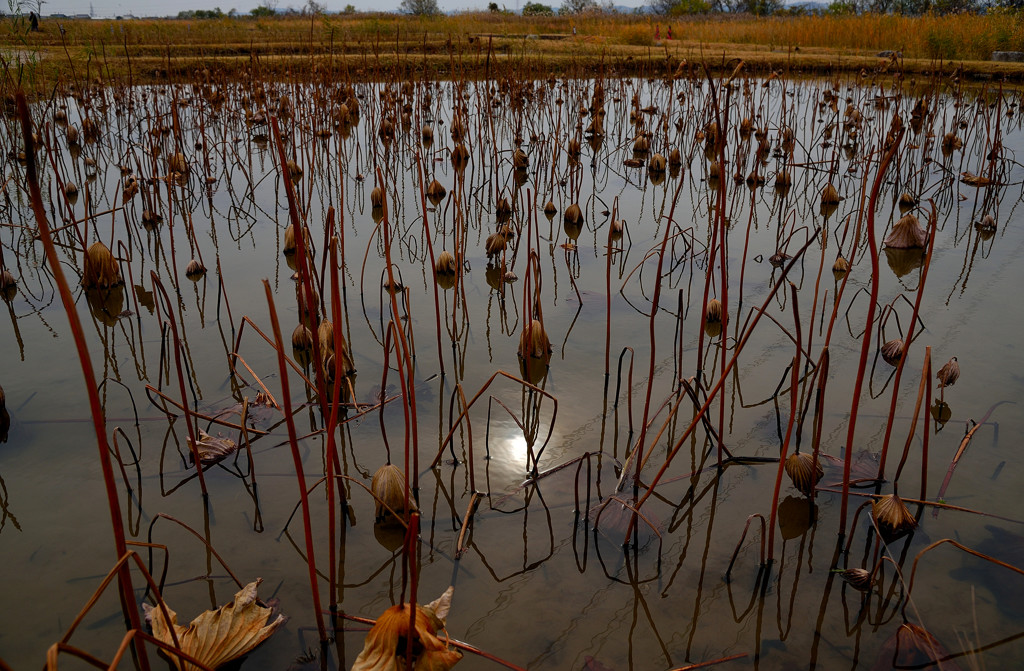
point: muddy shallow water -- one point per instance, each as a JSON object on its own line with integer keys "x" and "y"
{"x": 544, "y": 581}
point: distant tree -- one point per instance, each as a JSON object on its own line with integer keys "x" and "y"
{"x": 314, "y": 8}
{"x": 419, "y": 7}
{"x": 537, "y": 9}
{"x": 262, "y": 11}
{"x": 349, "y": 9}
{"x": 577, "y": 6}
{"x": 214, "y": 13}
{"x": 493, "y": 7}
{"x": 841, "y": 8}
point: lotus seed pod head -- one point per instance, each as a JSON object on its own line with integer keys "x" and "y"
{"x": 804, "y": 471}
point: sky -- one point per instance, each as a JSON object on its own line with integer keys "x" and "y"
{"x": 142, "y": 8}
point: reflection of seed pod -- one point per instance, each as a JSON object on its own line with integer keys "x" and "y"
{"x": 195, "y": 270}
{"x": 904, "y": 261}
{"x": 892, "y": 515}
{"x": 857, "y": 578}
{"x": 804, "y": 471}
{"x": 907, "y": 234}
{"x": 302, "y": 339}
{"x": 388, "y": 487}
{"x": 100, "y": 269}
{"x": 436, "y": 192}
{"x": 892, "y": 351}
{"x": 840, "y": 267}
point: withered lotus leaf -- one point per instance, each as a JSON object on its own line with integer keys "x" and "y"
{"x": 216, "y": 637}
{"x": 385, "y": 646}
{"x": 212, "y": 449}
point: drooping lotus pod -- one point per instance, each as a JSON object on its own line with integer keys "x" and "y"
{"x": 195, "y": 270}
{"x": 100, "y": 269}
{"x": 804, "y": 471}
{"x": 892, "y": 351}
{"x": 840, "y": 267}
{"x": 892, "y": 515}
{"x": 534, "y": 341}
{"x": 857, "y": 578}
{"x": 520, "y": 161}
{"x": 388, "y": 487}
{"x": 907, "y": 234}
{"x": 436, "y": 192}
{"x": 949, "y": 373}
{"x": 829, "y": 195}
{"x": 377, "y": 197}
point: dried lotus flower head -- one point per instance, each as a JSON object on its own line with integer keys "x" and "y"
{"x": 294, "y": 170}
{"x": 573, "y": 216}
{"x": 550, "y": 210}
{"x": 986, "y": 227}
{"x": 949, "y": 373}
{"x": 840, "y": 267}
{"x": 387, "y": 642}
{"x": 675, "y": 158}
{"x": 72, "y": 135}
{"x": 503, "y": 209}
{"x": 100, "y": 269}
{"x": 436, "y": 192}
{"x": 216, "y": 637}
{"x": 445, "y": 264}
{"x": 495, "y": 244}
{"x": 520, "y": 161}
{"x": 129, "y": 188}
{"x": 804, "y": 470}
{"x": 377, "y": 197}
{"x": 892, "y": 515}
{"x": 857, "y": 578}
{"x": 195, "y": 270}
{"x": 427, "y": 135}
{"x": 325, "y": 338}
{"x": 892, "y": 351}
{"x": 573, "y": 148}
{"x": 783, "y": 180}
{"x": 8, "y": 285}
{"x": 388, "y": 487}
{"x": 714, "y": 313}
{"x": 778, "y": 259}
{"x": 534, "y": 341}
{"x": 641, "y": 145}
{"x": 907, "y": 201}
{"x": 618, "y": 227}
{"x": 71, "y": 192}
{"x": 907, "y": 234}
{"x": 829, "y": 195}
{"x": 460, "y": 157}
{"x": 657, "y": 164}
{"x": 302, "y": 339}
{"x": 177, "y": 163}
{"x": 950, "y": 143}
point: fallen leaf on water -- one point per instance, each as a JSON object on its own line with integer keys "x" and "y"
{"x": 384, "y": 649}
{"x": 216, "y": 637}
{"x": 974, "y": 180}
{"x": 212, "y": 449}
